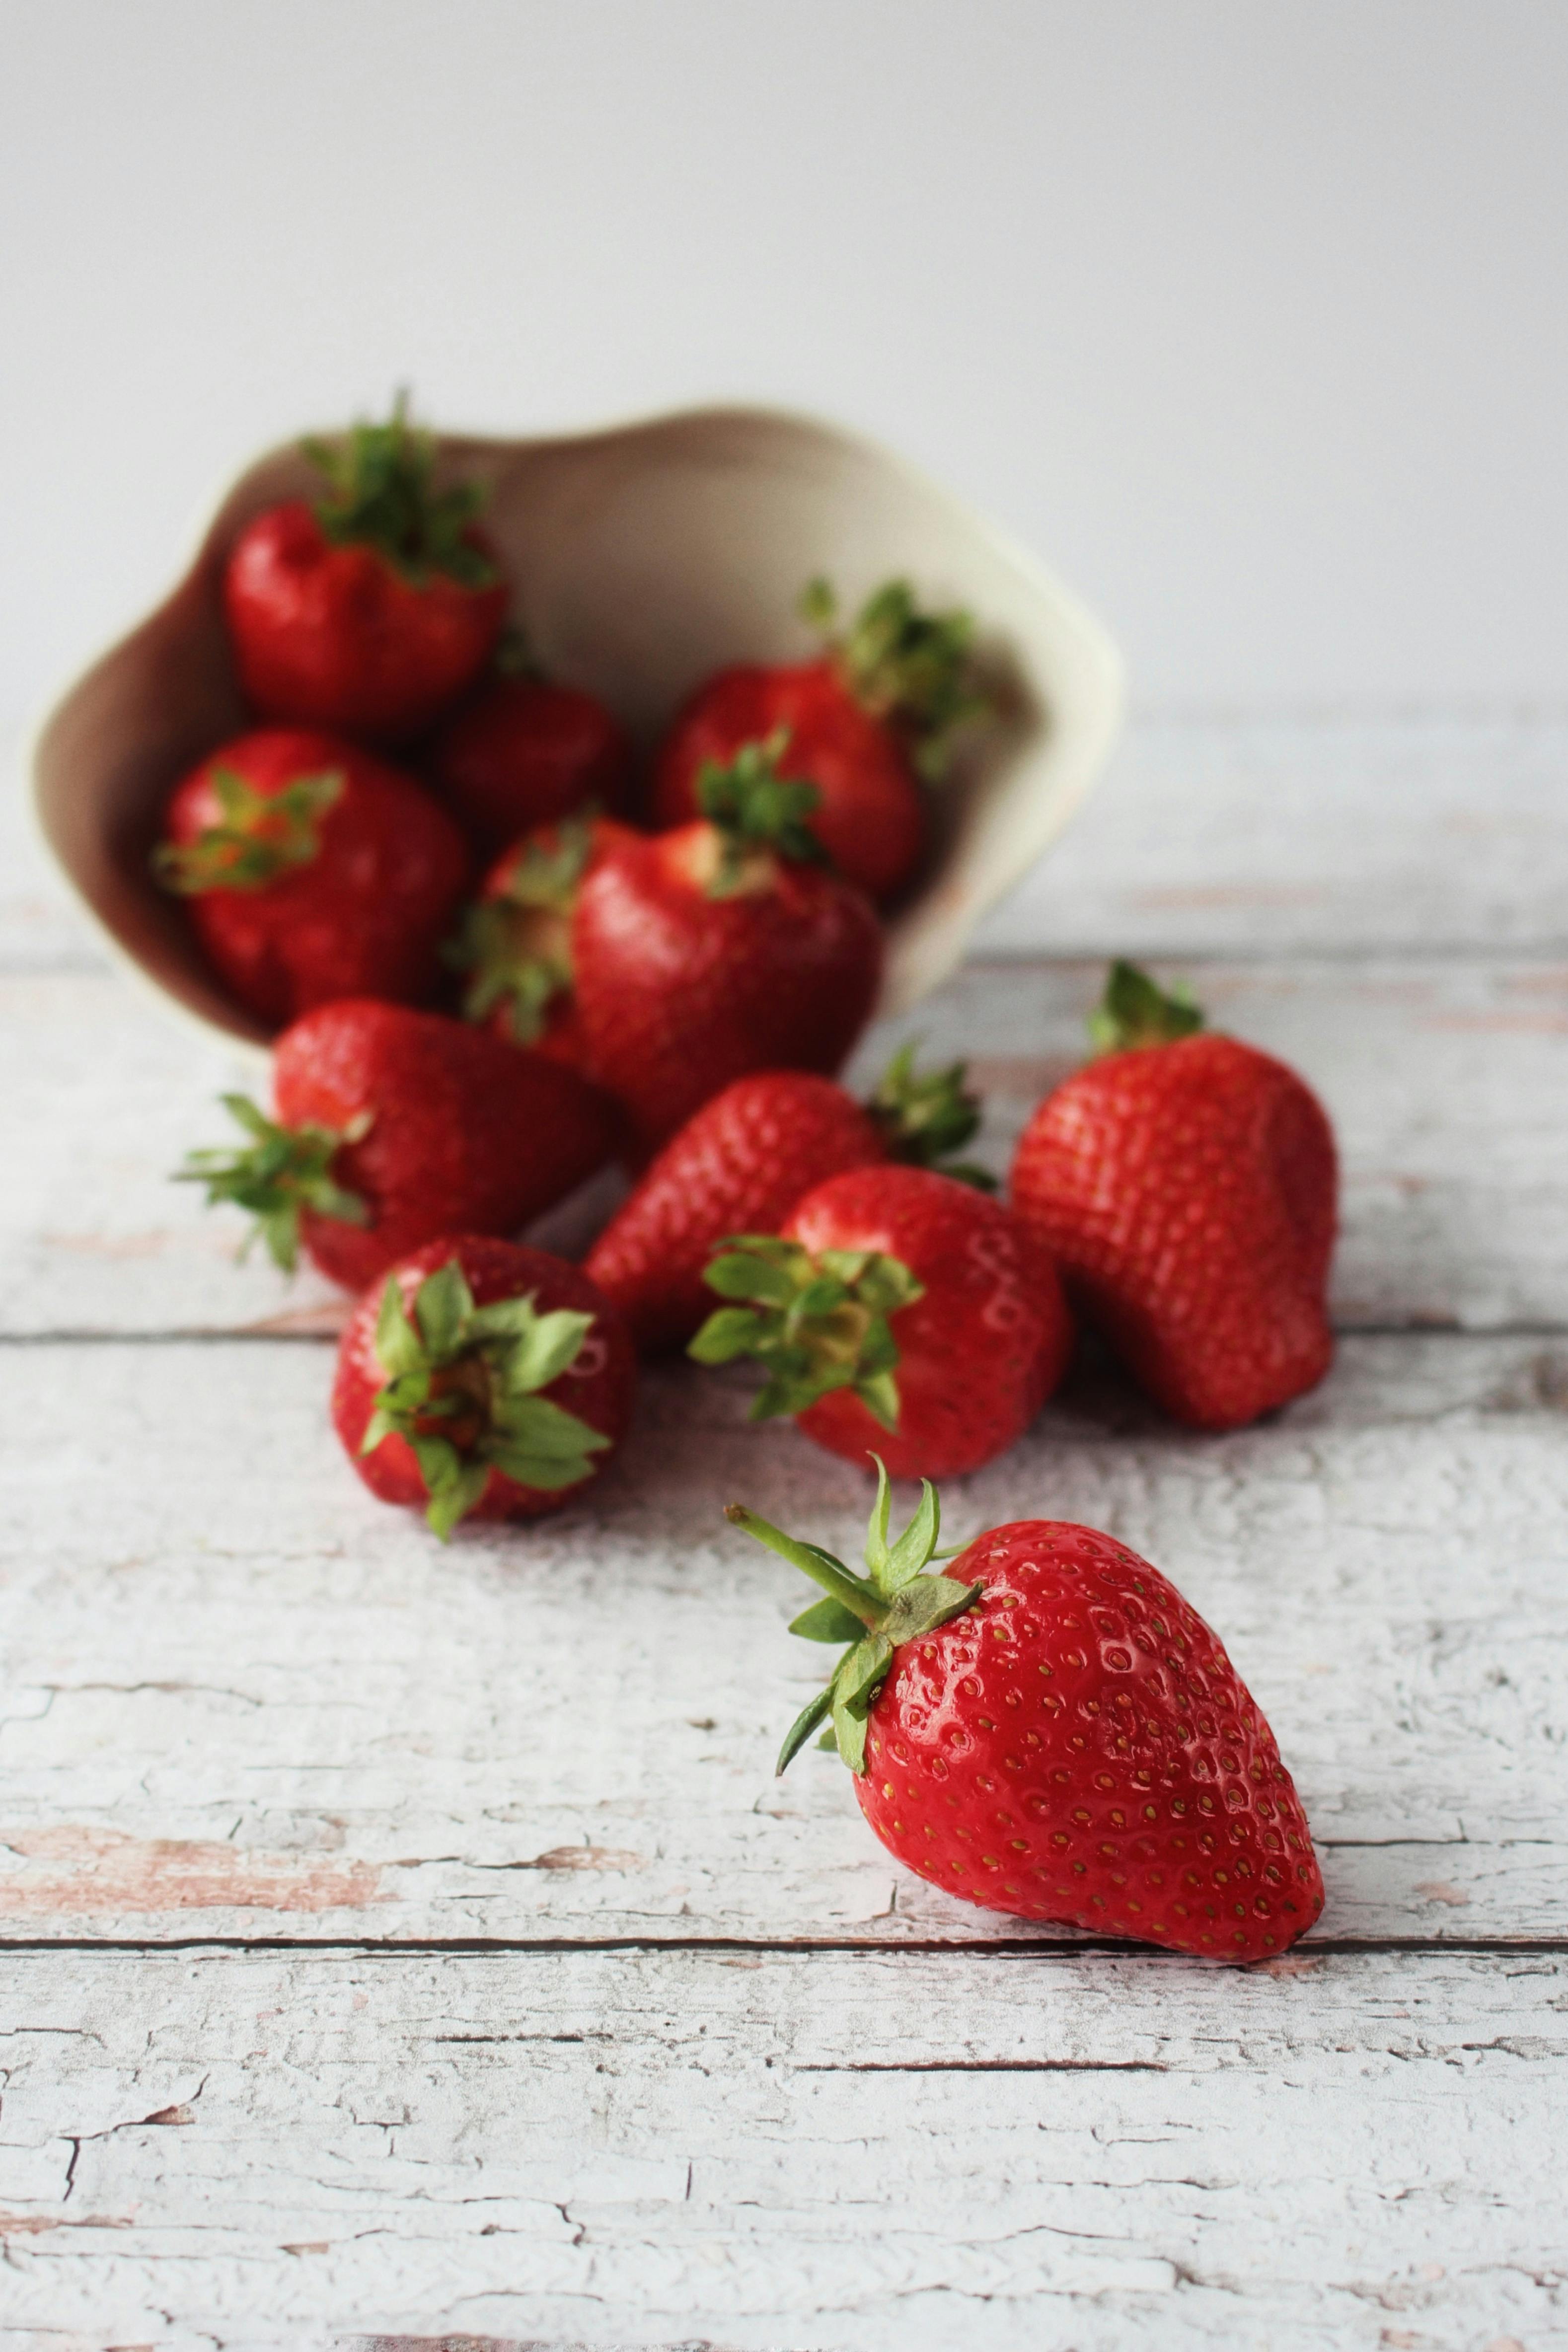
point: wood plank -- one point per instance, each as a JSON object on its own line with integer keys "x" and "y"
{"x": 750, "y": 2150}
{"x": 1445, "y": 1081}
{"x": 1297, "y": 833}
{"x": 243, "y": 1698}
{"x": 1310, "y": 834}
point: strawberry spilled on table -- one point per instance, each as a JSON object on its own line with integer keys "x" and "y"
{"x": 1186, "y": 1186}
{"x": 896, "y": 1312}
{"x": 372, "y": 608}
{"x": 722, "y": 947}
{"x": 869, "y": 724}
{"x": 483, "y": 1380}
{"x": 1046, "y": 1727}
{"x": 740, "y": 1163}
{"x": 395, "y": 1127}
{"x": 311, "y": 870}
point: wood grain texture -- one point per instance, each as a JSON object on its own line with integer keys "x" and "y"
{"x": 892, "y": 2155}
{"x": 1310, "y": 836}
{"x": 405, "y": 1943}
{"x": 245, "y": 1699}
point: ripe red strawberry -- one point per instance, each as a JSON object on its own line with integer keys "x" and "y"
{"x": 1186, "y": 1190}
{"x": 1046, "y": 1727}
{"x": 712, "y": 950}
{"x": 373, "y": 608}
{"x": 864, "y": 724}
{"x": 741, "y": 1163}
{"x": 524, "y": 752}
{"x": 515, "y": 941}
{"x": 311, "y": 870}
{"x": 483, "y": 1380}
{"x": 396, "y": 1127}
{"x": 898, "y": 1313}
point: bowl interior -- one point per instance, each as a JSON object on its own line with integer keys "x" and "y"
{"x": 641, "y": 558}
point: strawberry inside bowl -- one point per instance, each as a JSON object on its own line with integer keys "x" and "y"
{"x": 641, "y": 559}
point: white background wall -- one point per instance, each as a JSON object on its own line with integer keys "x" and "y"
{"x": 1249, "y": 314}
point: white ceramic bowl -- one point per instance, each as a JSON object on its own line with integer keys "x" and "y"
{"x": 642, "y": 557}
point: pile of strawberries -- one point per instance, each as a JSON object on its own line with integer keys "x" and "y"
{"x": 498, "y": 961}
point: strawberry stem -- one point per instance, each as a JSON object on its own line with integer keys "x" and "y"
{"x": 753, "y": 808}
{"x": 1135, "y": 1011}
{"x": 874, "y": 1615}
{"x": 381, "y": 493}
{"x": 261, "y": 836}
{"x": 924, "y": 1119}
{"x": 901, "y": 664}
{"x": 461, "y": 1391}
{"x": 515, "y": 959}
{"x": 817, "y": 1324}
{"x": 280, "y": 1174}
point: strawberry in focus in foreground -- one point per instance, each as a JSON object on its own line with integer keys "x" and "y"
{"x": 868, "y": 724}
{"x": 740, "y": 1163}
{"x": 1048, "y": 1728}
{"x": 311, "y": 870}
{"x": 372, "y": 608}
{"x": 395, "y": 1127}
{"x": 483, "y": 1380}
{"x": 898, "y": 1313}
{"x": 1186, "y": 1186}
{"x": 721, "y": 948}
{"x": 524, "y": 751}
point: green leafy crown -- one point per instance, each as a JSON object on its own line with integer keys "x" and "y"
{"x": 260, "y": 835}
{"x": 924, "y": 1119}
{"x": 895, "y": 1601}
{"x": 900, "y": 663}
{"x": 1135, "y": 1011}
{"x": 280, "y": 1172}
{"x": 815, "y": 1324}
{"x": 755, "y": 807}
{"x": 462, "y": 1390}
{"x": 381, "y": 493}
{"x": 510, "y": 959}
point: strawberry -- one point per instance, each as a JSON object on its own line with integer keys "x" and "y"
{"x": 395, "y": 1127}
{"x": 515, "y": 941}
{"x": 897, "y": 1311}
{"x": 484, "y": 1381}
{"x": 524, "y": 752}
{"x": 718, "y": 949}
{"x": 865, "y": 724}
{"x": 1186, "y": 1185}
{"x": 741, "y": 1163}
{"x": 373, "y": 608}
{"x": 311, "y": 870}
{"x": 1046, "y": 1727}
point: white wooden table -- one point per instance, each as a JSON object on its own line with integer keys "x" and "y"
{"x": 404, "y": 1943}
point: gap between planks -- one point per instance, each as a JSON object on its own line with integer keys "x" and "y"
{"x": 1005, "y": 1947}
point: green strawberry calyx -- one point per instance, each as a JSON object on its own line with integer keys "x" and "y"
{"x": 754, "y": 809}
{"x": 914, "y": 668}
{"x": 259, "y": 837}
{"x": 1135, "y": 1011}
{"x": 924, "y": 1119}
{"x": 894, "y": 1602}
{"x": 516, "y": 945}
{"x": 381, "y": 493}
{"x": 462, "y": 1391}
{"x": 815, "y": 1323}
{"x": 278, "y": 1174}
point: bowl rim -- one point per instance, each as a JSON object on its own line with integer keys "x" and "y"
{"x": 1096, "y": 730}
